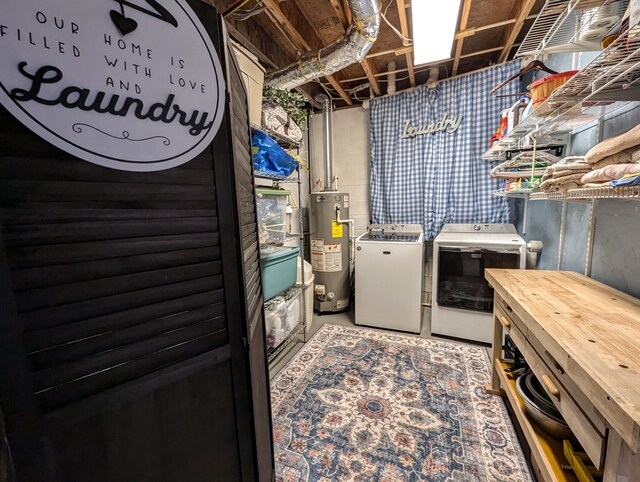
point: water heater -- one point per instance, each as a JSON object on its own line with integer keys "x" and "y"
{"x": 330, "y": 251}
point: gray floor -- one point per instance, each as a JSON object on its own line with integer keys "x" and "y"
{"x": 341, "y": 319}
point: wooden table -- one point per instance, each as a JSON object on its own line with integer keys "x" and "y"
{"x": 581, "y": 339}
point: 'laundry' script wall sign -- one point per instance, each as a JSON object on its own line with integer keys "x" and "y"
{"x": 135, "y": 86}
{"x": 446, "y": 124}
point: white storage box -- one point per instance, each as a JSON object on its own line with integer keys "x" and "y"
{"x": 253, "y": 77}
{"x": 282, "y": 315}
{"x": 309, "y": 279}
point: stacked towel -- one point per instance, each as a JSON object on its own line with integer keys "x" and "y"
{"x": 610, "y": 173}
{"x": 614, "y": 145}
{"x": 564, "y": 175}
{"x": 614, "y": 158}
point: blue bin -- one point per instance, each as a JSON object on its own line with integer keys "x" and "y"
{"x": 278, "y": 269}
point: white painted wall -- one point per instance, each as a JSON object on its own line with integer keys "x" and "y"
{"x": 351, "y": 159}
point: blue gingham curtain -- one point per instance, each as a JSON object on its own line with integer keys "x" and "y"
{"x": 434, "y": 179}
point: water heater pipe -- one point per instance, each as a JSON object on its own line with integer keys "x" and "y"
{"x": 327, "y": 133}
{"x": 352, "y": 236}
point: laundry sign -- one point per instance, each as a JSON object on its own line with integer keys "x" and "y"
{"x": 447, "y": 123}
{"x": 131, "y": 85}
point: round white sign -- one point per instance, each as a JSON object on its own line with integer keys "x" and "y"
{"x": 132, "y": 85}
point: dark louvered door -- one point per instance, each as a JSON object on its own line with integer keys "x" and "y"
{"x": 252, "y": 307}
{"x": 129, "y": 349}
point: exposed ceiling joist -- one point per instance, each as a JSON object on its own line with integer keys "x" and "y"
{"x": 404, "y": 29}
{"x": 470, "y": 31}
{"x": 336, "y": 85}
{"x": 337, "y": 6}
{"x": 464, "y": 19}
{"x": 423, "y": 67}
{"x": 509, "y": 37}
{"x": 244, "y": 39}
{"x": 326, "y": 36}
{"x": 300, "y": 42}
{"x": 286, "y": 24}
{"x": 370, "y": 70}
{"x": 347, "y": 11}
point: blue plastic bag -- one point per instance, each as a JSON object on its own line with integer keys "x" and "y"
{"x": 269, "y": 158}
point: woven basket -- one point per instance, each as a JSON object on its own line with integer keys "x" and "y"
{"x": 543, "y": 88}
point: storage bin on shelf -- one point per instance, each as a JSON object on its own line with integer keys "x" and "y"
{"x": 277, "y": 269}
{"x": 271, "y": 206}
{"x": 309, "y": 279}
{"x": 283, "y": 314}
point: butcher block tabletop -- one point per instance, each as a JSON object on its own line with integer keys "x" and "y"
{"x": 593, "y": 332}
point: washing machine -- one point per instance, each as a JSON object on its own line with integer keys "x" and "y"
{"x": 389, "y": 277}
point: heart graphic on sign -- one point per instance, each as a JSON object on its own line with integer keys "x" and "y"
{"x": 124, "y": 24}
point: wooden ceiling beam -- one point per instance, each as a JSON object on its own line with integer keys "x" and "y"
{"x": 338, "y": 8}
{"x": 347, "y": 11}
{"x": 523, "y": 9}
{"x": 464, "y": 19}
{"x": 371, "y": 70}
{"x": 250, "y": 35}
{"x": 335, "y": 83}
{"x": 287, "y": 25}
{"x": 423, "y": 67}
{"x": 404, "y": 29}
{"x": 300, "y": 42}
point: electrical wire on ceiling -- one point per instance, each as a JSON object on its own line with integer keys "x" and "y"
{"x": 328, "y": 90}
{"x": 404, "y": 39}
{"x": 234, "y": 7}
{"x": 243, "y": 15}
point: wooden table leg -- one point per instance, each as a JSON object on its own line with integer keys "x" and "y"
{"x": 496, "y": 353}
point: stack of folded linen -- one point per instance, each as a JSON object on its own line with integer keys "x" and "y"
{"x": 564, "y": 175}
{"x": 613, "y": 159}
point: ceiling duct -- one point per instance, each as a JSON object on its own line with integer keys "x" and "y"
{"x": 351, "y": 48}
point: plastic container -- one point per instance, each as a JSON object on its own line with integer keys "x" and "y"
{"x": 515, "y": 112}
{"x": 253, "y": 77}
{"x": 309, "y": 279}
{"x": 277, "y": 269}
{"x": 271, "y": 206}
{"x": 282, "y": 315}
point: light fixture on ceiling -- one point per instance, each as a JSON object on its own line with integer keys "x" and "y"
{"x": 434, "y": 27}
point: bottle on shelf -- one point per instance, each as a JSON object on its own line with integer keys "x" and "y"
{"x": 514, "y": 115}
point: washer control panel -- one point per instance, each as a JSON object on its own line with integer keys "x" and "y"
{"x": 395, "y": 228}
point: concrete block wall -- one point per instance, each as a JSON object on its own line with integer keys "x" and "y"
{"x": 351, "y": 160}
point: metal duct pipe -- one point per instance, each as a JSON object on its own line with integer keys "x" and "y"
{"x": 351, "y": 48}
{"x": 327, "y": 135}
{"x": 391, "y": 77}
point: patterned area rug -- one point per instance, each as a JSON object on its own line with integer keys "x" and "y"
{"x": 364, "y": 405}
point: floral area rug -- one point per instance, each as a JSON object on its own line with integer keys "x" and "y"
{"x": 365, "y": 405}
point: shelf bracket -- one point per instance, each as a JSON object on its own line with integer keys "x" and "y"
{"x": 563, "y": 231}
{"x": 590, "y": 238}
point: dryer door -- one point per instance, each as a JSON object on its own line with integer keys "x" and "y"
{"x": 461, "y": 281}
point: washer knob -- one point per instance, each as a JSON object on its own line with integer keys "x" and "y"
{"x": 477, "y": 227}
